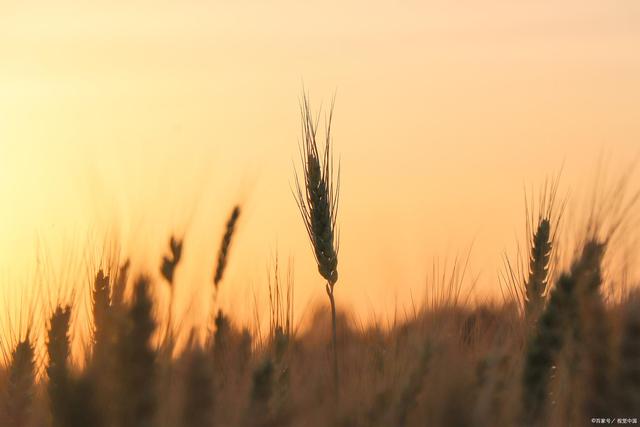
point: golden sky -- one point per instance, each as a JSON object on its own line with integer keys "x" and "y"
{"x": 140, "y": 119}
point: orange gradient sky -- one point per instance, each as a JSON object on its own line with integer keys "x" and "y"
{"x": 141, "y": 119}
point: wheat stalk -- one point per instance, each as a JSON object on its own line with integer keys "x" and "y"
{"x": 318, "y": 204}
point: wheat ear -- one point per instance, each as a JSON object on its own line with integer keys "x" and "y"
{"x": 318, "y": 204}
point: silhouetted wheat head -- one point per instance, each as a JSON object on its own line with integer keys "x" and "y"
{"x": 563, "y": 317}
{"x": 58, "y": 350}
{"x": 225, "y": 246}
{"x": 536, "y": 284}
{"x": 101, "y": 310}
{"x": 594, "y": 349}
{"x": 137, "y": 400}
{"x": 169, "y": 263}
{"x": 167, "y": 269}
{"x": 21, "y": 384}
{"x": 318, "y": 204}
{"x": 543, "y": 348}
{"x": 541, "y": 231}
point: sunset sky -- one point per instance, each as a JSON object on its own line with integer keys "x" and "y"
{"x": 142, "y": 119}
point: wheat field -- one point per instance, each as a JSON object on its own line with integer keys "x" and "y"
{"x": 319, "y": 213}
{"x": 558, "y": 349}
